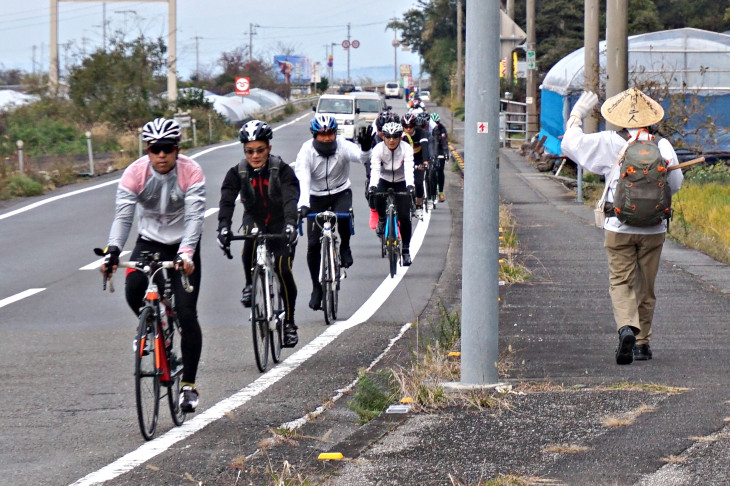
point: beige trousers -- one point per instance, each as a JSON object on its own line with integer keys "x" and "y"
{"x": 633, "y": 263}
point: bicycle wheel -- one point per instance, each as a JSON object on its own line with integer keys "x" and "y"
{"x": 146, "y": 377}
{"x": 335, "y": 283}
{"x": 327, "y": 282}
{"x": 276, "y": 335}
{"x": 259, "y": 323}
{"x": 393, "y": 245}
{"x": 174, "y": 357}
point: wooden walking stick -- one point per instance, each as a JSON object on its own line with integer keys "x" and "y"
{"x": 687, "y": 164}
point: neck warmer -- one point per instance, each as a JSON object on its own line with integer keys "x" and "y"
{"x": 325, "y": 149}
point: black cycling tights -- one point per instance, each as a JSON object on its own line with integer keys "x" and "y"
{"x": 186, "y": 303}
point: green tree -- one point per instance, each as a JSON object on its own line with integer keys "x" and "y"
{"x": 121, "y": 84}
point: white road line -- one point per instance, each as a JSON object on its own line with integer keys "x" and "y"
{"x": 159, "y": 445}
{"x": 97, "y": 264}
{"x": 116, "y": 181}
{"x": 17, "y": 297}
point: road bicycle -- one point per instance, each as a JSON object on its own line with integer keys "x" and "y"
{"x": 157, "y": 346}
{"x": 426, "y": 167}
{"x": 268, "y": 309}
{"x": 330, "y": 273}
{"x": 390, "y": 239}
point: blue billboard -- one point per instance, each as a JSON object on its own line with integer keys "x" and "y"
{"x": 292, "y": 69}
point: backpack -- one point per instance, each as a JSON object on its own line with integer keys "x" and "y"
{"x": 248, "y": 196}
{"x": 642, "y": 196}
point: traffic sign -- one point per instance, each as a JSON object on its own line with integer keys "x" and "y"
{"x": 345, "y": 44}
{"x": 355, "y": 44}
{"x": 530, "y": 60}
{"x": 242, "y": 86}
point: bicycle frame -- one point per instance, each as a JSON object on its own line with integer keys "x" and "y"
{"x": 391, "y": 238}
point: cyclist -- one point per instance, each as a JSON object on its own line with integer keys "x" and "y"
{"x": 167, "y": 190}
{"x": 392, "y": 167}
{"x": 323, "y": 169}
{"x": 418, "y": 139}
{"x": 269, "y": 191}
{"x": 440, "y": 144}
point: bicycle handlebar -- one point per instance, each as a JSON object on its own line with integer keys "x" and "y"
{"x": 151, "y": 267}
{"x": 329, "y": 215}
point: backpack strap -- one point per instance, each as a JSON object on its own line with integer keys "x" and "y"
{"x": 275, "y": 163}
{"x": 248, "y": 195}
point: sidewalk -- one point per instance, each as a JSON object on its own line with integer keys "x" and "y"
{"x": 574, "y": 416}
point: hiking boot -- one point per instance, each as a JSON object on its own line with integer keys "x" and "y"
{"x": 441, "y": 197}
{"x": 315, "y": 301}
{"x": 625, "y": 348}
{"x": 346, "y": 257}
{"x": 188, "y": 399}
{"x": 642, "y": 352}
{"x": 406, "y": 258}
{"x": 291, "y": 338}
{"x": 246, "y": 296}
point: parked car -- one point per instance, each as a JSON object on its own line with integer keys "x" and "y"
{"x": 392, "y": 90}
{"x": 342, "y": 107}
{"x": 425, "y": 96}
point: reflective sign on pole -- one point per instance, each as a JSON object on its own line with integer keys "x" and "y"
{"x": 355, "y": 44}
{"x": 345, "y": 44}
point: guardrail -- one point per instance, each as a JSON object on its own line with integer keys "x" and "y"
{"x": 297, "y": 103}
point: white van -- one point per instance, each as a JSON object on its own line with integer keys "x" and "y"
{"x": 342, "y": 107}
{"x": 392, "y": 90}
{"x": 368, "y": 105}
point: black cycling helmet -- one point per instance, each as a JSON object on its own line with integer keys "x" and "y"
{"x": 161, "y": 130}
{"x": 386, "y": 117}
{"x": 409, "y": 118}
{"x": 422, "y": 119}
{"x": 255, "y": 130}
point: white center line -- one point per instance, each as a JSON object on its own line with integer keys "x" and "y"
{"x": 17, "y": 297}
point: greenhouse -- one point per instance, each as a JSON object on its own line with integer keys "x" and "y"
{"x": 687, "y": 61}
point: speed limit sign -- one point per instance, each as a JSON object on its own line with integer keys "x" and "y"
{"x": 242, "y": 86}
{"x": 355, "y": 43}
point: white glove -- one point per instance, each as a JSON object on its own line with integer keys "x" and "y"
{"x": 584, "y": 105}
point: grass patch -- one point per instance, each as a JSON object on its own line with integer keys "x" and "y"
{"x": 627, "y": 418}
{"x": 509, "y": 270}
{"x": 646, "y": 387}
{"x": 565, "y": 448}
{"x": 375, "y": 391}
{"x": 18, "y": 185}
{"x": 502, "y": 480}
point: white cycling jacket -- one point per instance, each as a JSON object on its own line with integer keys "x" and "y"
{"x": 321, "y": 176}
{"x": 392, "y": 165}
{"x": 170, "y": 207}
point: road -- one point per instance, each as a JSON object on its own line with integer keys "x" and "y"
{"x": 69, "y": 410}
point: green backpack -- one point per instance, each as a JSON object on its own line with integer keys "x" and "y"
{"x": 642, "y": 196}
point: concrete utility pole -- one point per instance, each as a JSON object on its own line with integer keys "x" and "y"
{"x": 349, "y": 48}
{"x": 590, "y": 73}
{"x": 459, "y": 51}
{"x": 480, "y": 286}
{"x": 531, "y": 98}
{"x": 509, "y": 62}
{"x": 251, "y": 33}
{"x": 617, "y": 47}
{"x": 53, "y": 78}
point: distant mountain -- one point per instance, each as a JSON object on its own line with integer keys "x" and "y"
{"x": 376, "y": 74}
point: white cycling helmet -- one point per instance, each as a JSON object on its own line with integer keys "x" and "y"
{"x": 393, "y": 130}
{"x": 161, "y": 129}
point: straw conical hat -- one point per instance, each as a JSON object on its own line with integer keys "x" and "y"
{"x": 632, "y": 109}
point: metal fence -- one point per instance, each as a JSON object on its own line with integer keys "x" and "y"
{"x": 512, "y": 122}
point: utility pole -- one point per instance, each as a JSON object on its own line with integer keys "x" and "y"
{"x": 251, "y": 33}
{"x": 590, "y": 74}
{"x": 348, "y": 52}
{"x": 395, "y": 44}
{"x": 509, "y": 61}
{"x": 531, "y": 99}
{"x": 480, "y": 285}
{"x": 103, "y": 25}
{"x": 459, "y": 51}
{"x": 197, "y": 56}
{"x": 617, "y": 46}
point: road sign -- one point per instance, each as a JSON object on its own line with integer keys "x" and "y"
{"x": 345, "y": 44}
{"x": 242, "y": 86}
{"x": 531, "y": 60}
{"x": 482, "y": 127}
{"x": 355, "y": 44}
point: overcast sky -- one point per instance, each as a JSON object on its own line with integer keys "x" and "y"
{"x": 208, "y": 28}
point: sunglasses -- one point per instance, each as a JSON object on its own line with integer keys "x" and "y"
{"x": 409, "y": 126}
{"x": 168, "y": 148}
{"x": 327, "y": 132}
{"x": 392, "y": 137}
{"x": 255, "y": 151}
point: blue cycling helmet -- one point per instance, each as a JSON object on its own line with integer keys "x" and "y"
{"x": 322, "y": 123}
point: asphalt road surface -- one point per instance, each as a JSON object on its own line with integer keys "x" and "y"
{"x": 66, "y": 357}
